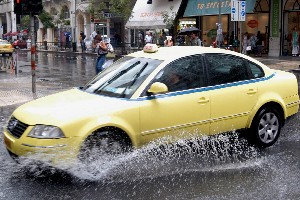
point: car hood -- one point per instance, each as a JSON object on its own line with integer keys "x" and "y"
{"x": 68, "y": 106}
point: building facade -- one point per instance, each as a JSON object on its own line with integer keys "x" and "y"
{"x": 70, "y": 17}
{"x": 275, "y": 19}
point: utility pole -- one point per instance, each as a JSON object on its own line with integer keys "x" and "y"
{"x": 31, "y": 8}
{"x": 32, "y": 50}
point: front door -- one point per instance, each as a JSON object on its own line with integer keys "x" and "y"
{"x": 183, "y": 112}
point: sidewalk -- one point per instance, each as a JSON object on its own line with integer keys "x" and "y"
{"x": 285, "y": 63}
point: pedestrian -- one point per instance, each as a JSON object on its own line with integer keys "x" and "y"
{"x": 258, "y": 44}
{"x": 82, "y": 41}
{"x": 148, "y": 37}
{"x": 140, "y": 40}
{"x": 195, "y": 40}
{"x": 68, "y": 41}
{"x": 102, "y": 52}
{"x": 168, "y": 41}
{"x": 253, "y": 43}
{"x": 295, "y": 43}
{"x": 161, "y": 40}
{"x": 245, "y": 43}
{"x": 95, "y": 41}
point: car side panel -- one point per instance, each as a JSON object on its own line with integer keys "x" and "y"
{"x": 281, "y": 89}
{"x": 231, "y": 105}
{"x": 175, "y": 115}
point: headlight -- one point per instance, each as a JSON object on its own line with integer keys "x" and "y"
{"x": 46, "y": 132}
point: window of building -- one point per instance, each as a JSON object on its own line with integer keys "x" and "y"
{"x": 65, "y": 12}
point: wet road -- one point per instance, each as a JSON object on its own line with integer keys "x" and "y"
{"x": 229, "y": 169}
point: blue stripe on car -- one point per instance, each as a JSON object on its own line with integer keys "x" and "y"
{"x": 216, "y": 87}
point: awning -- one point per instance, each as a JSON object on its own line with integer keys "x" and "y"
{"x": 211, "y": 7}
{"x": 7, "y": 34}
{"x": 14, "y": 33}
{"x": 150, "y": 16}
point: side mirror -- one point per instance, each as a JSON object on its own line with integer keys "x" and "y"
{"x": 157, "y": 88}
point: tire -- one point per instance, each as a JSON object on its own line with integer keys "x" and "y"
{"x": 104, "y": 143}
{"x": 266, "y": 127}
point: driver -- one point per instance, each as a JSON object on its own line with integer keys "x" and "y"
{"x": 176, "y": 82}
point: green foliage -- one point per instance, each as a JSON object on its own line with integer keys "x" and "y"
{"x": 97, "y": 8}
{"x": 118, "y": 8}
{"x": 61, "y": 18}
{"x": 46, "y": 19}
{"x": 121, "y": 8}
{"x": 169, "y": 19}
{"x": 25, "y": 22}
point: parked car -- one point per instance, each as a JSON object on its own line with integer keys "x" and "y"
{"x": 20, "y": 44}
{"x": 6, "y": 47}
{"x": 178, "y": 92}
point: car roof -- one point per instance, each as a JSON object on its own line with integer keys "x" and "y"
{"x": 171, "y": 53}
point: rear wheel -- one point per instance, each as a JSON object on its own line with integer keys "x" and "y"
{"x": 266, "y": 127}
{"x": 108, "y": 142}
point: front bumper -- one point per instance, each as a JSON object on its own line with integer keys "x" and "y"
{"x": 55, "y": 152}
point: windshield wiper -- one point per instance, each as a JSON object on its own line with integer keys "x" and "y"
{"x": 134, "y": 79}
{"x": 118, "y": 75}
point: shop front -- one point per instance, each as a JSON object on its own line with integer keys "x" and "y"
{"x": 291, "y": 27}
{"x": 155, "y": 18}
{"x": 218, "y": 12}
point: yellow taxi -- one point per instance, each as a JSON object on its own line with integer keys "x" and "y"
{"x": 174, "y": 92}
{"x": 6, "y": 47}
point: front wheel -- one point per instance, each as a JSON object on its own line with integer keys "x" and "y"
{"x": 103, "y": 143}
{"x": 266, "y": 127}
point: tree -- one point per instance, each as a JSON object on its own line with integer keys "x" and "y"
{"x": 169, "y": 17}
{"x": 115, "y": 8}
{"x": 25, "y": 22}
{"x": 46, "y": 19}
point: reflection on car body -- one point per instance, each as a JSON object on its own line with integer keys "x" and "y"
{"x": 133, "y": 102}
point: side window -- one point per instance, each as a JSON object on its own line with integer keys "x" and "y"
{"x": 183, "y": 74}
{"x": 256, "y": 71}
{"x": 224, "y": 68}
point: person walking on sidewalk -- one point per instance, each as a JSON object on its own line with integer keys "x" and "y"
{"x": 245, "y": 43}
{"x": 258, "y": 44}
{"x": 82, "y": 42}
{"x": 102, "y": 52}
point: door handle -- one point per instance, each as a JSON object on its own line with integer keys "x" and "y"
{"x": 252, "y": 91}
{"x": 203, "y": 100}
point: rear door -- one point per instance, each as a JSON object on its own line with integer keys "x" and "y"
{"x": 233, "y": 96}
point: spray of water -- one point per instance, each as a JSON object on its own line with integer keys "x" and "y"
{"x": 161, "y": 158}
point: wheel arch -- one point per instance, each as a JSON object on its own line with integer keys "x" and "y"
{"x": 272, "y": 104}
{"x": 95, "y": 126}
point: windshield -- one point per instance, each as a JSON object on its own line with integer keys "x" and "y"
{"x": 123, "y": 77}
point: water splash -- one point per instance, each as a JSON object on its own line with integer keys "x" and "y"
{"x": 159, "y": 158}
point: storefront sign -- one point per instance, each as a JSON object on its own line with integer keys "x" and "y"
{"x": 252, "y": 23}
{"x": 213, "y": 7}
{"x": 275, "y": 18}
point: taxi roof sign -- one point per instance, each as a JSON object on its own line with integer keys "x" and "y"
{"x": 150, "y": 48}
